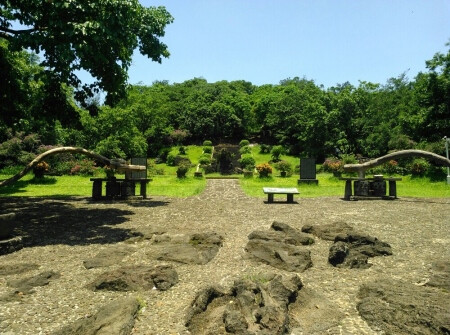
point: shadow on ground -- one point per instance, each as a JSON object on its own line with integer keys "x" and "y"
{"x": 20, "y": 185}
{"x": 69, "y": 221}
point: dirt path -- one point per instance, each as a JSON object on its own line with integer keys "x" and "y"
{"x": 61, "y": 234}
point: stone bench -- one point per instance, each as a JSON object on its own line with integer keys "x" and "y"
{"x": 118, "y": 188}
{"x": 270, "y": 191}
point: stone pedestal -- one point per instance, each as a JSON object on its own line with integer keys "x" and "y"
{"x": 112, "y": 189}
{"x": 361, "y": 188}
{"x": 378, "y": 188}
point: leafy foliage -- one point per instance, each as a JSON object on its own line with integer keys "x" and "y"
{"x": 247, "y": 162}
{"x": 97, "y": 36}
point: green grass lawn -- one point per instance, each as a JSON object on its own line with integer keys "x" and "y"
{"x": 168, "y": 184}
{"x": 62, "y": 186}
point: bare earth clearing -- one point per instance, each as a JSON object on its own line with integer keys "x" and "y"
{"x": 60, "y": 235}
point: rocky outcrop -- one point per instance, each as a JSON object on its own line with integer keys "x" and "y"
{"x": 353, "y": 250}
{"x": 329, "y": 231}
{"x": 264, "y": 304}
{"x": 136, "y": 278}
{"x": 116, "y": 317}
{"x": 187, "y": 249}
{"x": 280, "y": 247}
{"x": 395, "y": 307}
{"x": 108, "y": 257}
{"x": 25, "y": 286}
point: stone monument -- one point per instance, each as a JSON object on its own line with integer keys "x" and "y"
{"x": 308, "y": 171}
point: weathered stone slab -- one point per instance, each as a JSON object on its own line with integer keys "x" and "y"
{"x": 108, "y": 257}
{"x": 280, "y": 247}
{"x": 328, "y": 231}
{"x": 353, "y": 250}
{"x": 117, "y": 317}
{"x": 249, "y": 307}
{"x": 440, "y": 275}
{"x": 145, "y": 233}
{"x": 279, "y": 255}
{"x": 187, "y": 249}
{"x": 136, "y": 278}
{"x": 25, "y": 286}
{"x": 394, "y": 307}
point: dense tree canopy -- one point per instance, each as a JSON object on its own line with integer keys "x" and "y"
{"x": 95, "y": 35}
{"x": 370, "y": 119}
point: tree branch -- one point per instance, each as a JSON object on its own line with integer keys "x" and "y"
{"x": 361, "y": 168}
{"x": 110, "y": 162}
{"x": 7, "y": 30}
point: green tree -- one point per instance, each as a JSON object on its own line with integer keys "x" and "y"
{"x": 433, "y": 88}
{"x": 97, "y": 36}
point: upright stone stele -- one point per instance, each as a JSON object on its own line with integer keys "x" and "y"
{"x": 308, "y": 171}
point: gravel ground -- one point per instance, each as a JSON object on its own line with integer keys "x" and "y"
{"x": 61, "y": 234}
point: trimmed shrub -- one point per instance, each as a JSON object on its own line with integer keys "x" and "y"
{"x": 162, "y": 155}
{"x": 182, "y": 170}
{"x": 182, "y": 150}
{"x": 333, "y": 165}
{"x": 391, "y": 167}
{"x": 245, "y": 150}
{"x": 171, "y": 159}
{"x": 244, "y": 143}
{"x": 284, "y": 166}
{"x": 247, "y": 162}
{"x": 207, "y": 143}
{"x": 419, "y": 167}
{"x": 84, "y": 167}
{"x": 225, "y": 161}
{"x": 204, "y": 160}
{"x": 265, "y": 149}
{"x": 276, "y": 153}
{"x": 264, "y": 169}
{"x": 207, "y": 150}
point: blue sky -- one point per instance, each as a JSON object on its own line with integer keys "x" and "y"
{"x": 328, "y": 41}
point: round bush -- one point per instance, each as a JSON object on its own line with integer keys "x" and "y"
{"x": 247, "y": 162}
{"x": 182, "y": 170}
{"x": 204, "y": 161}
{"x": 419, "y": 167}
{"x": 207, "y": 150}
{"x": 207, "y": 143}
{"x": 264, "y": 169}
{"x": 276, "y": 152}
{"x": 171, "y": 159}
{"x": 244, "y": 143}
{"x": 245, "y": 150}
{"x": 264, "y": 149}
{"x": 284, "y": 166}
{"x": 182, "y": 150}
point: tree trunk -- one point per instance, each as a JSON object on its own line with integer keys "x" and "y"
{"x": 99, "y": 158}
{"x": 361, "y": 168}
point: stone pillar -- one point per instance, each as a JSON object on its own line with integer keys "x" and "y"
{"x": 97, "y": 189}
